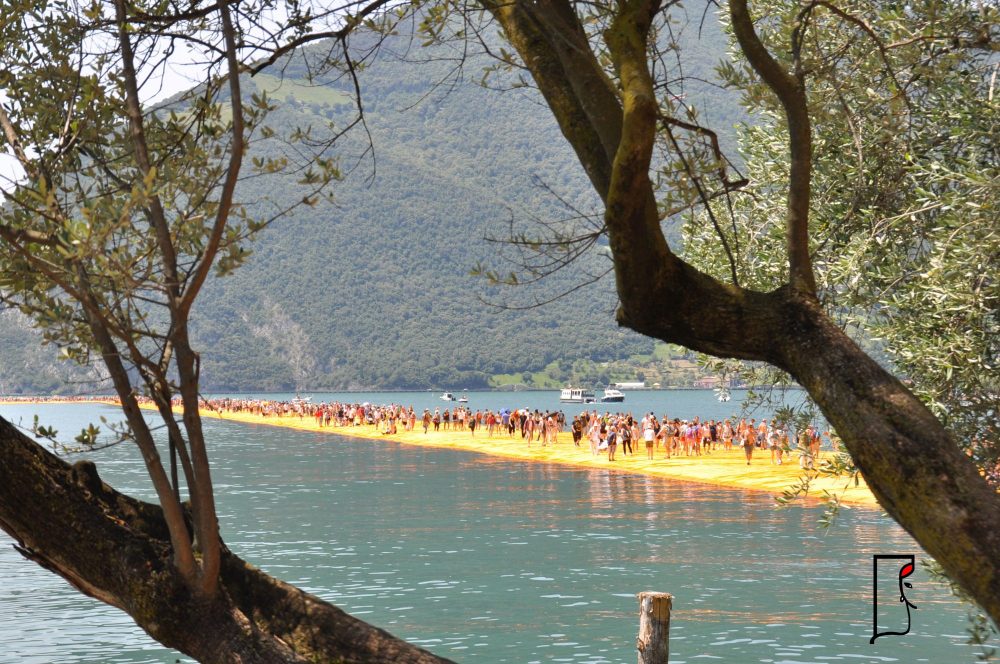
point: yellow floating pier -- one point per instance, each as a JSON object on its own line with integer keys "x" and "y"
{"x": 720, "y": 468}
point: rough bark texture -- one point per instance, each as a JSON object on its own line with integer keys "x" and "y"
{"x": 913, "y": 466}
{"x": 117, "y": 549}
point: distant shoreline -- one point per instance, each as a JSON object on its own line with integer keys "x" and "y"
{"x": 44, "y": 398}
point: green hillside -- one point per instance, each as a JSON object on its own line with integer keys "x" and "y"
{"x": 375, "y": 290}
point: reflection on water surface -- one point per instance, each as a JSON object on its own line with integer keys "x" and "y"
{"x": 499, "y": 561}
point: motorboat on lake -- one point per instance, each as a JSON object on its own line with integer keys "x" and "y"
{"x": 464, "y": 398}
{"x": 447, "y": 396}
{"x": 611, "y": 395}
{"x": 577, "y": 395}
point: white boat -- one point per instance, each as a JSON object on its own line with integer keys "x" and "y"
{"x": 447, "y": 396}
{"x": 611, "y": 395}
{"x": 577, "y": 395}
{"x": 464, "y": 398}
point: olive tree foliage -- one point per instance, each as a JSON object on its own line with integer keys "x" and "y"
{"x": 117, "y": 209}
{"x": 770, "y": 273}
{"x": 903, "y": 218}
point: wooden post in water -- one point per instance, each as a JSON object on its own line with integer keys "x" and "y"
{"x": 654, "y": 627}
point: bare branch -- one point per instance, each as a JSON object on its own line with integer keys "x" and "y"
{"x": 236, "y": 149}
{"x": 352, "y": 21}
{"x": 790, "y": 91}
{"x": 703, "y": 195}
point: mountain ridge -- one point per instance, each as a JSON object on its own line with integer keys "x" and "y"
{"x": 375, "y": 291}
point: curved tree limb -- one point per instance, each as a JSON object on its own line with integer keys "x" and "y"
{"x": 912, "y": 464}
{"x": 50, "y": 508}
{"x": 546, "y": 56}
{"x": 790, "y": 90}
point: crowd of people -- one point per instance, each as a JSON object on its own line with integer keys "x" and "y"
{"x": 676, "y": 437}
{"x": 607, "y": 433}
{"x": 392, "y": 418}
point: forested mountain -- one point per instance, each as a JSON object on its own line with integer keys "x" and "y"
{"x": 375, "y": 290}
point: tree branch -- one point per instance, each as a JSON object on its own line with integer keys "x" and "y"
{"x": 206, "y": 519}
{"x": 352, "y": 22}
{"x": 790, "y": 91}
{"x": 567, "y": 73}
{"x": 236, "y": 149}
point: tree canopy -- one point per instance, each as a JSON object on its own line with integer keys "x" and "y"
{"x": 905, "y": 192}
{"x": 120, "y": 211}
{"x": 116, "y": 213}
{"x": 599, "y": 69}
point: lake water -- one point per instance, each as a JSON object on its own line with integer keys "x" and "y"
{"x": 490, "y": 560}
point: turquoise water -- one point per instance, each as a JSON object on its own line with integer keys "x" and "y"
{"x": 491, "y": 560}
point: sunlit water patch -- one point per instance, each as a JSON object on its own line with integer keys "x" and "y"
{"x": 502, "y": 561}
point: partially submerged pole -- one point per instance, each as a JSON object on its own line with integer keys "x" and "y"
{"x": 654, "y": 627}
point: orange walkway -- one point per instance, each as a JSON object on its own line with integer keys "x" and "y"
{"x": 720, "y": 468}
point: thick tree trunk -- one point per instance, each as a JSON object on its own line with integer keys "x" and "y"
{"x": 914, "y": 467}
{"x": 117, "y": 549}
{"x": 916, "y": 470}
